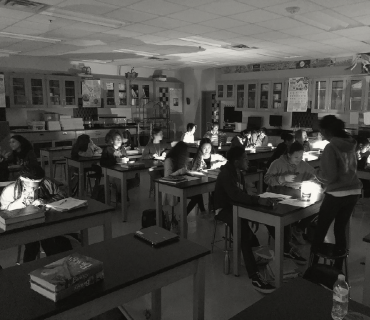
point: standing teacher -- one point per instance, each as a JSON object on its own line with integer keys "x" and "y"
{"x": 342, "y": 187}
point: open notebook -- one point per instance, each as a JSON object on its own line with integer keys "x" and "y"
{"x": 67, "y": 204}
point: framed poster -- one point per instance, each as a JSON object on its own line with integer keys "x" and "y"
{"x": 298, "y": 94}
{"x": 175, "y": 100}
{"x": 91, "y": 93}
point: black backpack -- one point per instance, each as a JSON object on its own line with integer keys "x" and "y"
{"x": 149, "y": 219}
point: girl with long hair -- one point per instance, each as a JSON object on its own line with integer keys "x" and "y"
{"x": 155, "y": 148}
{"x": 302, "y": 138}
{"x": 85, "y": 147}
{"x": 22, "y": 152}
{"x": 206, "y": 158}
{"x": 126, "y": 139}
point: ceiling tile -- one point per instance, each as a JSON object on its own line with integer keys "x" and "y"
{"x": 220, "y": 35}
{"x": 255, "y": 16}
{"x": 167, "y": 23}
{"x": 225, "y": 8}
{"x": 263, "y": 3}
{"x": 354, "y": 10}
{"x": 249, "y": 41}
{"x": 14, "y": 29}
{"x": 119, "y": 3}
{"x": 249, "y": 29}
{"x": 223, "y": 23}
{"x": 158, "y": 7}
{"x": 65, "y": 33}
{"x": 87, "y": 6}
{"x": 177, "y": 42}
{"x": 51, "y": 22}
{"x": 4, "y": 22}
{"x": 172, "y": 34}
{"x": 281, "y": 23}
{"x": 353, "y": 31}
{"x": 336, "y": 3}
{"x": 6, "y": 42}
{"x": 195, "y": 29}
{"x": 302, "y": 30}
{"x": 14, "y": 14}
{"x": 273, "y": 35}
{"x": 142, "y": 28}
{"x": 192, "y": 15}
{"x": 87, "y": 27}
{"x": 25, "y": 46}
{"x": 123, "y": 33}
{"x": 149, "y": 38}
{"x": 51, "y": 2}
{"x": 304, "y": 6}
{"x": 291, "y": 41}
{"x": 364, "y": 19}
{"x": 192, "y": 3}
{"x": 320, "y": 36}
{"x": 130, "y": 15}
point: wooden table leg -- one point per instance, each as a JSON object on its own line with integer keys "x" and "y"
{"x": 237, "y": 240}
{"x": 69, "y": 177}
{"x": 183, "y": 216}
{"x": 85, "y": 237}
{"x": 158, "y": 205}
{"x": 81, "y": 180}
{"x": 279, "y": 254}
{"x": 106, "y": 186}
{"x": 124, "y": 197}
{"x": 107, "y": 227}
{"x": 199, "y": 291}
{"x": 156, "y": 305}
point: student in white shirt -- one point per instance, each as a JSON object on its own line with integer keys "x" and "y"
{"x": 188, "y": 136}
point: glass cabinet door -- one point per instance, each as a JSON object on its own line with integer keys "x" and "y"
{"x": 229, "y": 91}
{"x": 70, "y": 95}
{"x": 355, "y": 94}
{"x": 37, "y": 92}
{"x": 251, "y": 95}
{"x": 145, "y": 93}
{"x": 18, "y": 98}
{"x": 110, "y": 93}
{"x": 240, "y": 96}
{"x": 220, "y": 91}
{"x": 122, "y": 94}
{"x": 264, "y": 95}
{"x": 320, "y": 92}
{"x": 337, "y": 94}
{"x": 134, "y": 94}
{"x": 277, "y": 95}
{"x": 54, "y": 92}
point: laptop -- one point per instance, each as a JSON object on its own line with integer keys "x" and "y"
{"x": 156, "y": 236}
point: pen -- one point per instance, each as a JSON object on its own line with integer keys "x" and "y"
{"x": 63, "y": 201}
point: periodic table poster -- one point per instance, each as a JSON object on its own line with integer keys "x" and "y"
{"x": 298, "y": 94}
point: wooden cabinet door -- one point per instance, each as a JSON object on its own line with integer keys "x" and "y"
{"x": 54, "y": 91}
{"x": 109, "y": 92}
{"x": 220, "y": 94}
{"x": 337, "y": 88}
{"x": 121, "y": 93}
{"x": 70, "y": 92}
{"x": 240, "y": 95}
{"x": 356, "y": 91}
{"x": 36, "y": 91}
{"x": 277, "y": 95}
{"x": 146, "y": 92}
{"x": 18, "y": 91}
{"x": 251, "y": 95}
{"x": 320, "y": 92}
{"x": 264, "y": 95}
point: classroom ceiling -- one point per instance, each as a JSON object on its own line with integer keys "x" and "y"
{"x": 178, "y": 33}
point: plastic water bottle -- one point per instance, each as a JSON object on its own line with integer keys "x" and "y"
{"x": 340, "y": 298}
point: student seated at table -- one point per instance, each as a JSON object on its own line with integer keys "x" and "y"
{"x": 301, "y": 137}
{"x": 21, "y": 152}
{"x": 281, "y": 148}
{"x": 126, "y": 139}
{"x": 214, "y": 135}
{"x": 206, "y": 158}
{"x": 244, "y": 139}
{"x": 85, "y": 147}
{"x": 155, "y": 147}
{"x": 230, "y": 187}
{"x": 177, "y": 163}
{"x": 115, "y": 149}
{"x": 362, "y": 153}
{"x": 188, "y": 136}
{"x": 290, "y": 171}
{"x": 33, "y": 188}
{"x": 4, "y": 170}
{"x": 262, "y": 138}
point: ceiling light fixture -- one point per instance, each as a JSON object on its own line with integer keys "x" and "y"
{"x": 27, "y": 37}
{"x": 206, "y": 41}
{"x": 97, "y": 61}
{"x": 82, "y": 17}
{"x": 292, "y": 10}
{"x": 139, "y": 53}
{"x": 9, "y": 51}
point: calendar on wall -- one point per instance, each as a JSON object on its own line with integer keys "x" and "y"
{"x": 298, "y": 94}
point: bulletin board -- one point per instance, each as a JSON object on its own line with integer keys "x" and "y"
{"x": 91, "y": 93}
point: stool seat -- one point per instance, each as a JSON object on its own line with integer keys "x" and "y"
{"x": 330, "y": 251}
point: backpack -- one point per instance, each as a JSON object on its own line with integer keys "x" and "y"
{"x": 149, "y": 218}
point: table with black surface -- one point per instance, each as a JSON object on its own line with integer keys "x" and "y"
{"x": 59, "y": 223}
{"x": 366, "y": 290}
{"x": 183, "y": 190}
{"x": 132, "y": 269}
{"x": 278, "y": 216}
{"x": 123, "y": 174}
{"x": 297, "y": 300}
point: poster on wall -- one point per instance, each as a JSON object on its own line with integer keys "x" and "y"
{"x": 2, "y": 91}
{"x": 298, "y": 94}
{"x": 91, "y": 93}
{"x": 175, "y": 100}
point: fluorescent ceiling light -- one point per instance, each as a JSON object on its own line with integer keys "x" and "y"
{"x": 97, "y": 61}
{"x": 199, "y": 61}
{"x": 326, "y": 21}
{"x": 291, "y": 57}
{"x": 139, "y": 53}
{"x": 83, "y": 17}
{"x": 206, "y": 41}
{"x": 27, "y": 37}
{"x": 9, "y": 51}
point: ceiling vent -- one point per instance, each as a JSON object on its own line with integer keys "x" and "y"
{"x": 158, "y": 59}
{"x": 239, "y": 47}
{"x": 24, "y": 5}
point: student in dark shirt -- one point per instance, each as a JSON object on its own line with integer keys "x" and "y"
{"x": 302, "y": 138}
{"x": 281, "y": 147}
{"x": 22, "y": 152}
{"x": 244, "y": 139}
{"x": 156, "y": 149}
{"x": 362, "y": 154}
{"x": 230, "y": 187}
{"x": 126, "y": 139}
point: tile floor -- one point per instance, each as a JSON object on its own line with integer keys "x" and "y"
{"x": 226, "y": 295}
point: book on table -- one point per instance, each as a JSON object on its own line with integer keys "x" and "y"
{"x": 67, "y": 204}
{"x": 17, "y": 225}
{"x": 173, "y": 179}
{"x": 132, "y": 165}
{"x": 8, "y": 217}
{"x": 65, "y": 276}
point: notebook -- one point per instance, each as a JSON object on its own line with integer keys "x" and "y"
{"x": 156, "y": 236}
{"x": 67, "y": 204}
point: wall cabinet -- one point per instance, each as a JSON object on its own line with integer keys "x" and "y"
{"x": 114, "y": 93}
{"x": 225, "y": 91}
{"x": 141, "y": 91}
{"x": 62, "y": 91}
{"x": 27, "y": 90}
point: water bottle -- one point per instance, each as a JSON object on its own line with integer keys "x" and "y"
{"x": 340, "y": 298}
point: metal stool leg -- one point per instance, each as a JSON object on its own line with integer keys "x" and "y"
{"x": 227, "y": 256}
{"x": 214, "y": 235}
{"x": 19, "y": 253}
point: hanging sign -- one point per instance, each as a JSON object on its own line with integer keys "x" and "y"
{"x": 298, "y": 94}
{"x": 91, "y": 93}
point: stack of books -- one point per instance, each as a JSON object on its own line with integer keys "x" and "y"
{"x": 129, "y": 165}
{"x": 173, "y": 179}
{"x": 263, "y": 149}
{"x": 19, "y": 218}
{"x": 71, "y": 123}
{"x": 67, "y": 204}
{"x": 62, "y": 278}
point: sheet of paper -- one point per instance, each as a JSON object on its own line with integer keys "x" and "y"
{"x": 353, "y": 117}
{"x": 297, "y": 203}
{"x": 367, "y": 118}
{"x": 189, "y": 178}
{"x": 274, "y": 195}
